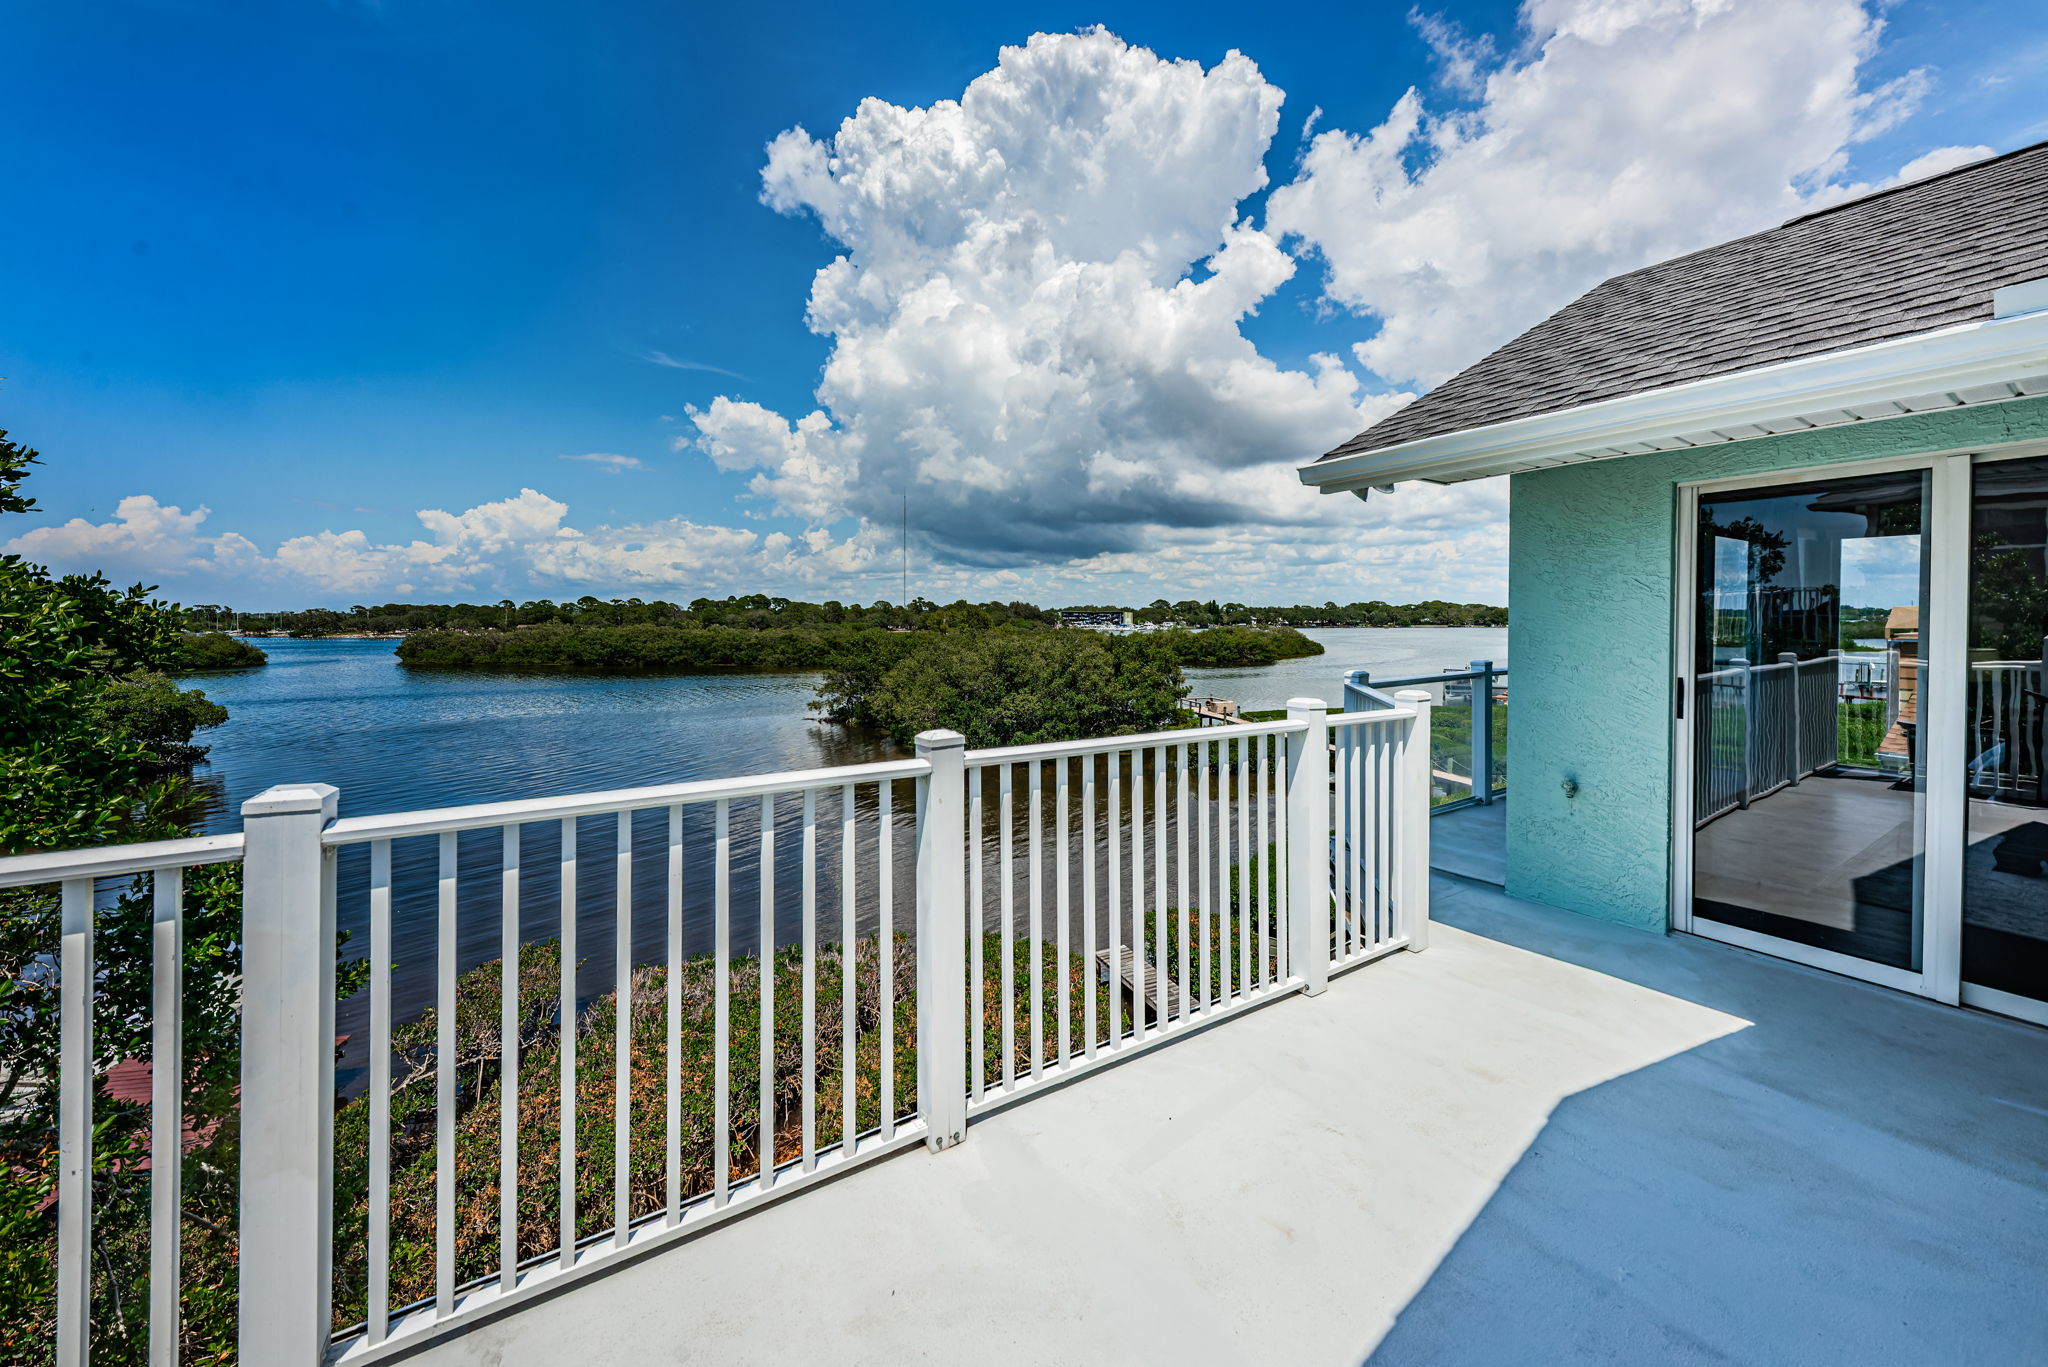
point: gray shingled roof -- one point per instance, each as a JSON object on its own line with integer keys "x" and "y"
{"x": 1906, "y": 260}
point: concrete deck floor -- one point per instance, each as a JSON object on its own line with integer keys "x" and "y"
{"x": 1472, "y": 842}
{"x": 1545, "y": 1140}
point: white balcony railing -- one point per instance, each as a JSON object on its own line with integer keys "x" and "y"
{"x": 1129, "y": 890}
{"x": 1759, "y": 728}
{"x": 2008, "y": 718}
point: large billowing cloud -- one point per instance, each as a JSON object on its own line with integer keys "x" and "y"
{"x": 1035, "y": 320}
{"x": 1618, "y": 133}
{"x": 1034, "y": 316}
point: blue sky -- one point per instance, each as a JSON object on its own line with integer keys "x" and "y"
{"x": 320, "y": 268}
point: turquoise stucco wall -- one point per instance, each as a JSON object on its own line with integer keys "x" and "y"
{"x": 1589, "y": 635}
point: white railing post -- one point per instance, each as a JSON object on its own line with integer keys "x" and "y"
{"x": 942, "y": 940}
{"x": 287, "y": 1075}
{"x": 1357, "y": 697}
{"x": 1413, "y": 782}
{"x": 1308, "y": 843}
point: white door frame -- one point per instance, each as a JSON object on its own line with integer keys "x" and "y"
{"x": 1943, "y": 724}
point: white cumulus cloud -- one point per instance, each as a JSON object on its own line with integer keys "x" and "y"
{"x": 1035, "y": 320}
{"x": 144, "y": 538}
{"x": 1614, "y": 134}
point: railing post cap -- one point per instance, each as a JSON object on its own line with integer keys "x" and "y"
{"x": 1414, "y": 695}
{"x": 1307, "y": 705}
{"x": 941, "y": 739}
{"x": 294, "y": 799}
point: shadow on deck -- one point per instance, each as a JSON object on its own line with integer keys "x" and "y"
{"x": 1546, "y": 1140}
{"x": 1472, "y": 843}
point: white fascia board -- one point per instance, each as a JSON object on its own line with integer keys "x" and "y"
{"x": 1992, "y": 352}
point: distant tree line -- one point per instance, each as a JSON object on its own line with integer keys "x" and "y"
{"x": 757, "y": 611}
{"x": 754, "y": 612}
{"x": 857, "y": 651}
{"x": 1433, "y": 612}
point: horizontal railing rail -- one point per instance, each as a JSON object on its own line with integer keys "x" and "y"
{"x": 479, "y": 816}
{"x": 118, "y": 861}
{"x": 581, "y": 1027}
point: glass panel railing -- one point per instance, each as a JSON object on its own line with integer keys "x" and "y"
{"x": 1468, "y": 728}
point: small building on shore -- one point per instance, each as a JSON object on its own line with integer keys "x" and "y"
{"x": 1098, "y": 619}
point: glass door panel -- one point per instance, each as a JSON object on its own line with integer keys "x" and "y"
{"x": 1809, "y": 784}
{"x": 2005, "y": 864}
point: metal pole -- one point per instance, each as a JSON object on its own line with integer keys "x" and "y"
{"x": 1482, "y": 730}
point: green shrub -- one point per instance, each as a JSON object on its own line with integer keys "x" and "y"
{"x": 1014, "y": 688}
{"x": 209, "y": 651}
{"x": 160, "y": 716}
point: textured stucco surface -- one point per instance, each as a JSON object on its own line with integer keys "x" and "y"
{"x": 1590, "y": 602}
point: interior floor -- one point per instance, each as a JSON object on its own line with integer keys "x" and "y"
{"x": 1833, "y": 860}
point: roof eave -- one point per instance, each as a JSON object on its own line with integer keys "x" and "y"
{"x": 1988, "y": 361}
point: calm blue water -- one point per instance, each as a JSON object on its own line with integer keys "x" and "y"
{"x": 394, "y": 739}
{"x": 397, "y": 739}
{"x": 346, "y": 712}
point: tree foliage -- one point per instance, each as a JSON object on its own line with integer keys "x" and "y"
{"x": 858, "y": 655}
{"x": 205, "y": 652}
{"x": 1014, "y": 688}
{"x": 92, "y": 735}
{"x": 65, "y": 642}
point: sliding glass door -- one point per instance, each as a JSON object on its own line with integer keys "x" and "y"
{"x": 2005, "y": 863}
{"x": 1863, "y": 723}
{"x": 1809, "y": 791}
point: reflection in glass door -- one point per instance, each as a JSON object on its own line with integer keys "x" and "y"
{"x": 2005, "y": 866}
{"x": 1808, "y": 774}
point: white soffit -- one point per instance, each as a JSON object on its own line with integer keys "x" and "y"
{"x": 1992, "y": 361}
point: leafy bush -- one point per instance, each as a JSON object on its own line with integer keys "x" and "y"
{"x": 208, "y": 651}
{"x": 1014, "y": 688}
{"x": 162, "y": 717}
{"x": 1238, "y": 647}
